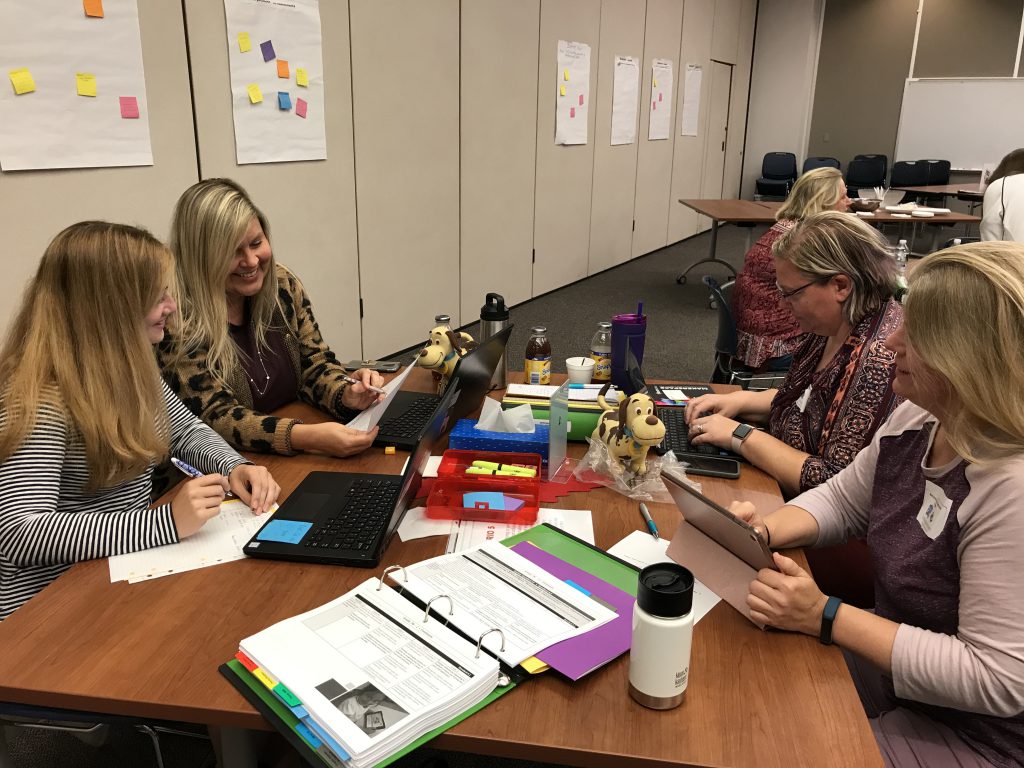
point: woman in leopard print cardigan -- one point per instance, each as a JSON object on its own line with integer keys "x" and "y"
{"x": 248, "y": 341}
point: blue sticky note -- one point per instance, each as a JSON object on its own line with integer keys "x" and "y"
{"x": 483, "y": 500}
{"x": 268, "y": 51}
{"x": 284, "y": 531}
{"x": 284, "y": 101}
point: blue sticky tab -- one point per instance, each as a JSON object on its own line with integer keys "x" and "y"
{"x": 574, "y": 585}
{"x": 483, "y": 500}
{"x": 577, "y": 386}
{"x": 325, "y": 737}
{"x": 307, "y": 734}
{"x": 284, "y": 101}
{"x": 284, "y": 531}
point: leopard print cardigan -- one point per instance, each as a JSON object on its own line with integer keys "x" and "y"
{"x": 228, "y": 409}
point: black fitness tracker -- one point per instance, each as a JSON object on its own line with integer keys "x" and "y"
{"x": 739, "y": 435}
{"x": 827, "y": 617}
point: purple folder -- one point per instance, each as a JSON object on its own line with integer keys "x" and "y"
{"x": 581, "y": 655}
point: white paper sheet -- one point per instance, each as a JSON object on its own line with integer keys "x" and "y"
{"x": 368, "y": 419}
{"x": 625, "y": 100}
{"x": 661, "y": 100}
{"x": 691, "y": 100}
{"x": 220, "y": 540}
{"x": 572, "y": 93}
{"x": 469, "y": 534}
{"x": 53, "y": 126}
{"x": 264, "y": 132}
{"x": 640, "y": 549}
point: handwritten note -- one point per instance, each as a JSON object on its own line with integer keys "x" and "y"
{"x": 255, "y": 94}
{"x": 85, "y": 83}
{"x": 22, "y": 81}
{"x": 244, "y": 43}
{"x": 129, "y": 107}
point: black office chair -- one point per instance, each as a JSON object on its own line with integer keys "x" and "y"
{"x": 778, "y": 174}
{"x": 938, "y": 171}
{"x": 883, "y": 159}
{"x": 909, "y": 173}
{"x": 819, "y": 162}
{"x": 959, "y": 241}
{"x": 864, "y": 173}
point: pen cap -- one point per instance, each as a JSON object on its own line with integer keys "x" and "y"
{"x": 665, "y": 590}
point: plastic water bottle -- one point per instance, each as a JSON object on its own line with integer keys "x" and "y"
{"x": 901, "y": 262}
{"x": 601, "y": 352}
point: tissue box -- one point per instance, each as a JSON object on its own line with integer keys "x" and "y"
{"x": 488, "y": 498}
{"x": 465, "y": 436}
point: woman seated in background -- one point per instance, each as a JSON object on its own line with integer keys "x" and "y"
{"x": 1003, "y": 210}
{"x": 248, "y": 341}
{"x": 767, "y": 333}
{"x": 939, "y": 665}
{"x": 85, "y": 417}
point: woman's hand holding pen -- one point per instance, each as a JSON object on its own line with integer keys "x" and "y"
{"x": 255, "y": 486}
{"x": 363, "y": 390}
{"x": 197, "y": 501}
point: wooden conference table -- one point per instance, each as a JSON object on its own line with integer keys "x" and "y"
{"x": 151, "y": 650}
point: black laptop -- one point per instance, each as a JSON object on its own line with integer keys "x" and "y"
{"x": 408, "y": 412}
{"x": 344, "y": 518}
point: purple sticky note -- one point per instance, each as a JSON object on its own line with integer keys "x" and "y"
{"x": 284, "y": 100}
{"x": 268, "y": 51}
{"x": 512, "y": 503}
{"x": 300, "y": 108}
{"x": 129, "y": 108}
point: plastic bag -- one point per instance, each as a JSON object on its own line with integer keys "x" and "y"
{"x": 599, "y": 466}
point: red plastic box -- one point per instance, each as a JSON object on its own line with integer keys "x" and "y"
{"x": 448, "y": 501}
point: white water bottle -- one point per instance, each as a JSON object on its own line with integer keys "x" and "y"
{"x": 659, "y": 657}
{"x": 902, "y": 251}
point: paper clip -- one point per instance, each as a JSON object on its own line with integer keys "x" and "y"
{"x": 480, "y": 642}
{"x": 389, "y": 569}
{"x": 451, "y": 607}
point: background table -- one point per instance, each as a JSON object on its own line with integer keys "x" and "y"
{"x": 152, "y": 650}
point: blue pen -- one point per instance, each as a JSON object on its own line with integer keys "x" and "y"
{"x": 191, "y": 471}
{"x": 650, "y": 523}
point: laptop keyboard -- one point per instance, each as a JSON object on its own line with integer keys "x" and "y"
{"x": 410, "y": 423}
{"x": 366, "y": 511}
{"x": 677, "y": 437}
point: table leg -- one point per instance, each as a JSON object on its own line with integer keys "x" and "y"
{"x": 711, "y": 259}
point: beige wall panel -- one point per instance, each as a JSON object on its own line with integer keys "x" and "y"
{"x": 740, "y": 94}
{"x": 654, "y": 159}
{"x": 498, "y": 150}
{"x": 405, "y": 96}
{"x": 564, "y": 173}
{"x": 688, "y": 159}
{"x": 972, "y": 39}
{"x": 36, "y": 205}
{"x": 720, "y": 86}
{"x": 725, "y": 39}
{"x": 310, "y": 205}
{"x": 611, "y": 219}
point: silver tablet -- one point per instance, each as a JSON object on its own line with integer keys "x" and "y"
{"x": 718, "y": 523}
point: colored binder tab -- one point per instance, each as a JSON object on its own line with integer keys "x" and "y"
{"x": 268, "y": 682}
{"x": 326, "y": 738}
{"x": 22, "y": 81}
{"x": 267, "y": 48}
{"x": 286, "y": 696}
{"x": 301, "y": 77}
{"x": 246, "y": 662}
{"x": 303, "y": 730}
{"x": 85, "y": 84}
{"x": 285, "y": 531}
{"x": 574, "y": 585}
{"x": 244, "y": 43}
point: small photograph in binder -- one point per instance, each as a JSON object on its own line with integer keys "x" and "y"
{"x": 368, "y": 707}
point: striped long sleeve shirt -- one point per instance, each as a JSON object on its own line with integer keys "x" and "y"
{"x": 49, "y": 521}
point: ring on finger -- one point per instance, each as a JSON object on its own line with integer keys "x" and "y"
{"x": 700, "y": 429}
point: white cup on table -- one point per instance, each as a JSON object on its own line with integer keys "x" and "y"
{"x": 580, "y": 369}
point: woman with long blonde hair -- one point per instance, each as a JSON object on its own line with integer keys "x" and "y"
{"x": 939, "y": 664}
{"x": 248, "y": 341}
{"x": 85, "y": 417}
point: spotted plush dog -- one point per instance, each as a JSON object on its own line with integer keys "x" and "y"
{"x": 629, "y": 431}
{"x": 444, "y": 349}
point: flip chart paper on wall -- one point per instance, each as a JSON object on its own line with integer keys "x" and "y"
{"x": 274, "y": 135}
{"x": 625, "y": 100}
{"x": 691, "y": 100}
{"x": 54, "y": 127}
{"x": 571, "y": 112}
{"x": 661, "y": 100}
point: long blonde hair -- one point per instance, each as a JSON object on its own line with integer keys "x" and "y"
{"x": 965, "y": 321}
{"x": 210, "y": 219}
{"x": 78, "y": 344}
{"x": 817, "y": 190}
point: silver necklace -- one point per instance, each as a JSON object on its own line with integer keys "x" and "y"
{"x": 266, "y": 379}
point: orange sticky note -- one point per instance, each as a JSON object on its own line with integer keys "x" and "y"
{"x": 282, "y": 69}
{"x": 22, "y": 81}
{"x": 93, "y": 8}
{"x": 255, "y": 94}
{"x": 85, "y": 83}
{"x": 244, "y": 43}
{"x": 301, "y": 77}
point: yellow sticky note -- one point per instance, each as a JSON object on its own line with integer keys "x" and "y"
{"x": 264, "y": 678}
{"x": 534, "y": 666}
{"x": 565, "y": 75}
{"x": 85, "y": 83}
{"x": 561, "y": 91}
{"x": 301, "y": 77}
{"x": 244, "y": 43}
{"x": 282, "y": 69}
{"x": 93, "y": 8}
{"x": 654, "y": 80}
{"x": 22, "y": 81}
{"x": 255, "y": 94}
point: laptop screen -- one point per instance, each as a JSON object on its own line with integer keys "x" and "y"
{"x": 474, "y": 372}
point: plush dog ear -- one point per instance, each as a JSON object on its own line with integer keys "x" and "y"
{"x": 623, "y": 410}
{"x": 454, "y": 342}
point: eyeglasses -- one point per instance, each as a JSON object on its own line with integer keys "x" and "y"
{"x": 790, "y": 294}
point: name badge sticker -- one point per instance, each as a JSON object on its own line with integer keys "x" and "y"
{"x": 804, "y": 398}
{"x": 934, "y": 510}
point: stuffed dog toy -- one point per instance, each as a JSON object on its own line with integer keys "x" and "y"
{"x": 444, "y": 349}
{"x": 629, "y": 431}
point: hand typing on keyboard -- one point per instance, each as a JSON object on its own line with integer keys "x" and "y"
{"x": 713, "y": 429}
{"x": 725, "y": 405}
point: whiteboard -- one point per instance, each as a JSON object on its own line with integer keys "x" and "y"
{"x": 971, "y": 122}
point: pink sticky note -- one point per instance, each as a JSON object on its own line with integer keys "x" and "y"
{"x": 654, "y": 105}
{"x": 300, "y": 108}
{"x": 581, "y": 99}
{"x": 572, "y": 111}
{"x": 129, "y": 108}
{"x": 660, "y": 95}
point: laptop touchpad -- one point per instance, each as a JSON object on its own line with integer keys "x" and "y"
{"x": 306, "y": 506}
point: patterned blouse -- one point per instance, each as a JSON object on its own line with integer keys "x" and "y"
{"x": 765, "y": 326}
{"x": 833, "y": 413}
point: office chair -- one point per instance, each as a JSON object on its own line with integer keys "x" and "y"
{"x": 883, "y": 159}
{"x": 778, "y": 174}
{"x": 864, "y": 173}
{"x": 819, "y": 162}
{"x": 938, "y": 171}
{"x": 959, "y": 241}
{"x": 909, "y": 173}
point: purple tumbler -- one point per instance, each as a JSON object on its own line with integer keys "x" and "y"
{"x": 628, "y": 330}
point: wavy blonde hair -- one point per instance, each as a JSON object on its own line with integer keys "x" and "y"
{"x": 210, "y": 218}
{"x": 78, "y": 344}
{"x": 817, "y": 190}
{"x": 832, "y": 243}
{"x": 965, "y": 321}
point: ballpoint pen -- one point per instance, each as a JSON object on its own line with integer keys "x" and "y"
{"x": 650, "y": 523}
{"x": 191, "y": 471}
{"x": 350, "y": 380}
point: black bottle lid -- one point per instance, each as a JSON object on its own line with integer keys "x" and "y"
{"x": 665, "y": 590}
{"x": 494, "y": 308}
